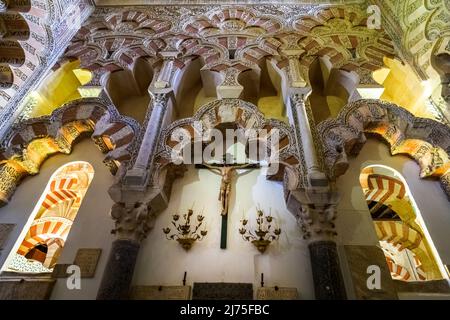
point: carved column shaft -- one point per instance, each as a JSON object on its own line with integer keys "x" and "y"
{"x": 305, "y": 137}
{"x": 138, "y": 174}
{"x": 165, "y": 74}
{"x": 119, "y": 271}
{"x": 133, "y": 222}
{"x": 316, "y": 212}
{"x": 153, "y": 130}
{"x": 327, "y": 276}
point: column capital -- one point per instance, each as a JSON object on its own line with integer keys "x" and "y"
{"x": 295, "y": 73}
{"x": 230, "y": 86}
{"x": 316, "y": 214}
{"x": 133, "y": 221}
{"x": 299, "y": 95}
{"x": 160, "y": 97}
{"x": 164, "y": 75}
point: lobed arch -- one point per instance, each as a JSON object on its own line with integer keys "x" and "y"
{"x": 15, "y": 27}
{"x": 243, "y": 115}
{"x": 137, "y": 20}
{"x": 424, "y": 140}
{"x": 30, "y": 143}
{"x": 117, "y": 41}
{"x": 112, "y": 54}
{"x": 128, "y": 88}
{"x": 194, "y": 86}
{"x": 307, "y": 22}
{"x": 235, "y": 19}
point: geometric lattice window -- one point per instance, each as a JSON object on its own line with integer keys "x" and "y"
{"x": 44, "y": 236}
{"x": 409, "y": 251}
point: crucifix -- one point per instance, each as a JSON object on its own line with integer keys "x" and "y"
{"x": 226, "y": 171}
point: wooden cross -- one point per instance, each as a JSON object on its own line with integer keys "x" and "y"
{"x": 226, "y": 172}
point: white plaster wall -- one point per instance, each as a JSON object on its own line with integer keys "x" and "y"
{"x": 91, "y": 228}
{"x": 285, "y": 264}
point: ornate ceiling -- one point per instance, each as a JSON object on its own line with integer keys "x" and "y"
{"x": 33, "y": 34}
{"x": 231, "y": 38}
{"x": 228, "y": 39}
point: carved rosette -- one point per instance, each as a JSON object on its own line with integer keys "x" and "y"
{"x": 132, "y": 221}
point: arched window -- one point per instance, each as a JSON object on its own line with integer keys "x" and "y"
{"x": 46, "y": 231}
{"x": 409, "y": 251}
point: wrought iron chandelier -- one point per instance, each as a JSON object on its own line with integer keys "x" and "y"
{"x": 263, "y": 235}
{"x": 186, "y": 234}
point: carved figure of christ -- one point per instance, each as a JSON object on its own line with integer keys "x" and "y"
{"x": 226, "y": 171}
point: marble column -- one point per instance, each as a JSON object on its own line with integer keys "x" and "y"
{"x": 133, "y": 222}
{"x": 305, "y": 139}
{"x": 138, "y": 174}
{"x": 327, "y": 276}
{"x": 314, "y": 205}
{"x": 316, "y": 213}
{"x": 119, "y": 270}
{"x": 134, "y": 195}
